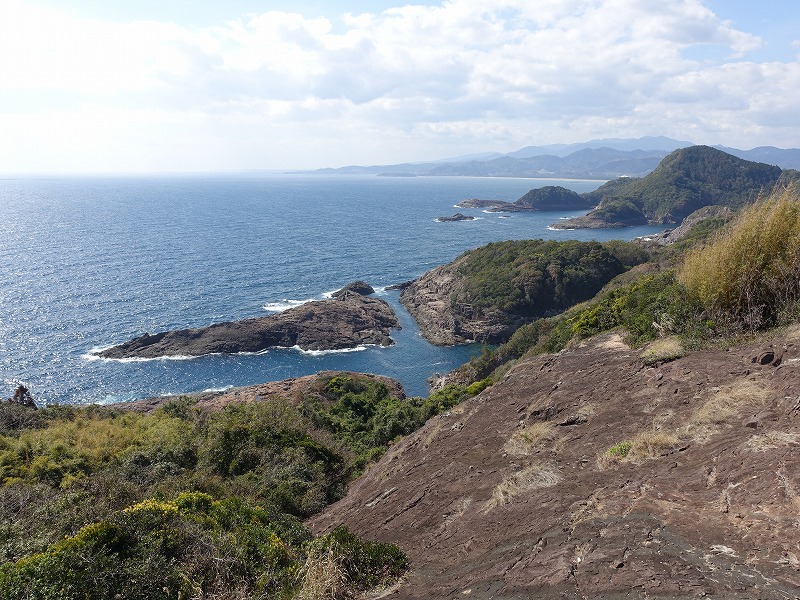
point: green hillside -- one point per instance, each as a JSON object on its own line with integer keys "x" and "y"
{"x": 689, "y": 179}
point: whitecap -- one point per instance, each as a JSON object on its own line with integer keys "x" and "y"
{"x": 358, "y": 348}
{"x": 138, "y": 359}
{"x": 217, "y": 389}
{"x": 551, "y": 228}
{"x": 284, "y": 304}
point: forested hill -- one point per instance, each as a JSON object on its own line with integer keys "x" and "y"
{"x": 686, "y": 180}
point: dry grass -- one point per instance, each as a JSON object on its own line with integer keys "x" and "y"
{"x": 528, "y": 440}
{"x": 749, "y": 273}
{"x": 650, "y": 444}
{"x": 727, "y": 403}
{"x": 645, "y": 445}
{"x": 530, "y": 478}
{"x": 323, "y": 577}
{"x": 663, "y": 350}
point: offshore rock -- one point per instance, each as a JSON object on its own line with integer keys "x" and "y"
{"x": 359, "y": 287}
{"x": 455, "y": 217}
{"x": 347, "y": 322}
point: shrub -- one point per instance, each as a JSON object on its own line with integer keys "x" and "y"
{"x": 339, "y": 564}
{"x": 193, "y": 546}
{"x": 620, "y": 449}
{"x": 748, "y": 275}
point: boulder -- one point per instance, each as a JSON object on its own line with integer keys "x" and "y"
{"x": 359, "y": 287}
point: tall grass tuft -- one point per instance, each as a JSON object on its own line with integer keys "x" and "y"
{"x": 748, "y": 275}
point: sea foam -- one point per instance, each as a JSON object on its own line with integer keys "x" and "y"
{"x": 285, "y": 304}
{"x": 325, "y": 352}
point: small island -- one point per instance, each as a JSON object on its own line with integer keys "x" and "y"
{"x": 344, "y": 322}
{"x": 548, "y": 198}
{"x": 455, "y": 217}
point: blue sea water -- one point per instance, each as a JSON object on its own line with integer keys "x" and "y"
{"x": 86, "y": 263}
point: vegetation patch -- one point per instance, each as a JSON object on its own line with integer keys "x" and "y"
{"x": 772, "y": 439}
{"x": 531, "y": 438}
{"x": 647, "y": 445}
{"x": 726, "y": 404}
{"x": 748, "y": 275}
{"x": 193, "y": 547}
{"x": 530, "y": 478}
{"x": 663, "y": 350}
{"x": 532, "y": 278}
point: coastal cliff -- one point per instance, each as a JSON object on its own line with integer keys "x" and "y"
{"x": 347, "y": 321}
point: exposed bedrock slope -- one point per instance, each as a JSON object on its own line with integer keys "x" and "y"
{"x": 514, "y": 494}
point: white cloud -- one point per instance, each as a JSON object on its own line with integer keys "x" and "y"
{"x": 283, "y": 90}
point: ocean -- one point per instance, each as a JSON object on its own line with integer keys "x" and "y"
{"x": 89, "y": 262}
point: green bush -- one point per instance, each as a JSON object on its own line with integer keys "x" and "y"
{"x": 191, "y": 546}
{"x": 620, "y": 449}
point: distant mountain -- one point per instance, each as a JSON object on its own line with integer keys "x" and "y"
{"x": 596, "y": 159}
{"x": 662, "y": 143}
{"x": 686, "y": 180}
{"x": 785, "y": 159}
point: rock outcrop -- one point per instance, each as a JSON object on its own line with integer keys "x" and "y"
{"x": 588, "y": 474}
{"x": 455, "y": 217}
{"x": 346, "y": 322}
{"x": 359, "y": 287}
{"x": 669, "y": 236}
{"x": 488, "y": 293}
{"x": 429, "y": 300}
{"x": 610, "y": 215}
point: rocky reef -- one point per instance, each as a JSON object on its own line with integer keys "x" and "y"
{"x": 455, "y": 217}
{"x": 348, "y": 321}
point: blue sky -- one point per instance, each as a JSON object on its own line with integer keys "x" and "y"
{"x": 113, "y": 86}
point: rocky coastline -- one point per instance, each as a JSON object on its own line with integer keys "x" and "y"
{"x": 346, "y": 321}
{"x": 429, "y": 301}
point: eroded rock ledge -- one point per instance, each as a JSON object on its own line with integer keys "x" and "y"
{"x": 345, "y": 322}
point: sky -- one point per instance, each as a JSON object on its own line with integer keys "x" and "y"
{"x": 115, "y": 86}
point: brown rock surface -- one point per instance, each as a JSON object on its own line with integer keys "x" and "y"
{"x": 346, "y": 322}
{"x": 513, "y": 494}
